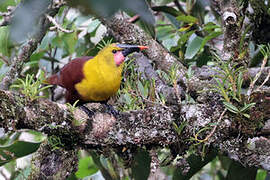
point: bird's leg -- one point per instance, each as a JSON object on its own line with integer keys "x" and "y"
{"x": 110, "y": 109}
{"x": 89, "y": 113}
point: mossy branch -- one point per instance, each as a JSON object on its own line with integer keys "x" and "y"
{"x": 151, "y": 127}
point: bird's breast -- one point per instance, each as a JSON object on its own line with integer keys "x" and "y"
{"x": 98, "y": 84}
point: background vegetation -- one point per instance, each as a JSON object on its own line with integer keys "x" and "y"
{"x": 191, "y": 30}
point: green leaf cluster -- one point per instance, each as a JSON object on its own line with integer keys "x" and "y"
{"x": 229, "y": 85}
{"x": 30, "y": 87}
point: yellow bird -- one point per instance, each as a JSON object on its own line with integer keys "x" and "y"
{"x": 94, "y": 79}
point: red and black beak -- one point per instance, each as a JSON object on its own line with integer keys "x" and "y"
{"x": 128, "y": 49}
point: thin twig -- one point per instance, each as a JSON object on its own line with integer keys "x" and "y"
{"x": 134, "y": 18}
{"x": 4, "y": 59}
{"x": 213, "y": 130}
{"x": 176, "y": 90}
{"x": 266, "y": 79}
{"x": 56, "y": 25}
{"x": 251, "y": 86}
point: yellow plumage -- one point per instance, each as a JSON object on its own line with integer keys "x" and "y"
{"x": 102, "y": 77}
{"x": 94, "y": 79}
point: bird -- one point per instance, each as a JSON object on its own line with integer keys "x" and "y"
{"x": 94, "y": 79}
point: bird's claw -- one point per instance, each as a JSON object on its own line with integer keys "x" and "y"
{"x": 89, "y": 113}
{"x": 110, "y": 109}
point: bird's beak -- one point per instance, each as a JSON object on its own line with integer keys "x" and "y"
{"x": 128, "y": 49}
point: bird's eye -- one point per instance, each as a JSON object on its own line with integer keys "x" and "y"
{"x": 114, "y": 51}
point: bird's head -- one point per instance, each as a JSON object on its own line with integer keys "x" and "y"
{"x": 118, "y": 52}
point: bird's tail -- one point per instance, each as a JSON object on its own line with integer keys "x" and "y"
{"x": 53, "y": 80}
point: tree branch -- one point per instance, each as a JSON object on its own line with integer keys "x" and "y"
{"x": 136, "y": 127}
{"x": 151, "y": 127}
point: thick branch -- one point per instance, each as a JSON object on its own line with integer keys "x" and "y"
{"x": 150, "y": 127}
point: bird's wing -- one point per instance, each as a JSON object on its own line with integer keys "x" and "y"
{"x": 70, "y": 74}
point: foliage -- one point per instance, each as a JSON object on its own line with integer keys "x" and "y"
{"x": 72, "y": 107}
{"x": 55, "y": 142}
{"x": 103, "y": 43}
{"x": 196, "y": 164}
{"x": 13, "y": 147}
{"x": 86, "y": 167}
{"x": 31, "y": 88}
{"x": 141, "y": 167}
{"x": 229, "y": 85}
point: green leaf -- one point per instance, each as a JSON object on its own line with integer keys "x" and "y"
{"x": 193, "y": 46}
{"x": 209, "y": 37}
{"x": 246, "y": 115}
{"x": 187, "y": 19}
{"x": 70, "y": 40}
{"x": 86, "y": 167}
{"x": 24, "y": 174}
{"x": 4, "y": 40}
{"x": 141, "y": 166}
{"x": 81, "y": 47}
{"x": 186, "y": 27}
{"x": 231, "y": 107}
{"x": 237, "y": 171}
{"x": 196, "y": 164}
{"x": 222, "y": 90}
{"x": 210, "y": 27}
{"x": 141, "y": 88}
{"x": 35, "y": 57}
{"x": 93, "y": 25}
{"x": 247, "y": 106}
{"x": 5, "y": 3}
{"x": 180, "y": 128}
{"x": 57, "y": 42}
{"x": 261, "y": 174}
{"x": 171, "y": 41}
{"x": 166, "y": 9}
{"x": 165, "y": 31}
{"x": 38, "y": 136}
{"x": 224, "y": 162}
{"x": 46, "y": 40}
{"x": 183, "y": 38}
{"x": 127, "y": 98}
{"x": 243, "y": 37}
{"x": 16, "y": 149}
